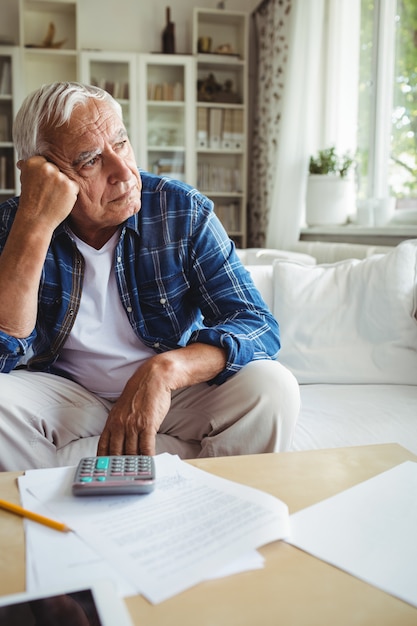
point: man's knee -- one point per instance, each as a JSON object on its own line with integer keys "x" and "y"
{"x": 272, "y": 379}
{"x": 256, "y": 412}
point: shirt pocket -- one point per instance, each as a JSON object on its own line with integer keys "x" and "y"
{"x": 166, "y": 305}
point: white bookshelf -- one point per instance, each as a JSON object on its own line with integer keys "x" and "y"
{"x": 43, "y": 63}
{"x": 221, "y": 101}
{"x": 9, "y": 94}
{"x": 159, "y": 93}
{"x": 167, "y": 115}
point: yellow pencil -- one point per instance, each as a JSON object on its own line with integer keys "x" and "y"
{"x": 41, "y": 519}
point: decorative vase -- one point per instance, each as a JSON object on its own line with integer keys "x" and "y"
{"x": 330, "y": 199}
{"x": 168, "y": 35}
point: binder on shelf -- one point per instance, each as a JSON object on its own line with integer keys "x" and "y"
{"x": 238, "y": 136}
{"x": 202, "y": 127}
{"x": 215, "y": 127}
{"x": 227, "y": 135}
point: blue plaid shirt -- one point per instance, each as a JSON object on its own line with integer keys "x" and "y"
{"x": 179, "y": 279}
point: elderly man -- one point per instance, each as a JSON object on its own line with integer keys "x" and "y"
{"x": 126, "y": 317}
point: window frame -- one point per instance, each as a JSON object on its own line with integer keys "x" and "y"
{"x": 382, "y": 97}
{"x": 381, "y": 105}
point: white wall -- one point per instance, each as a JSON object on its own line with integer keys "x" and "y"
{"x": 130, "y": 25}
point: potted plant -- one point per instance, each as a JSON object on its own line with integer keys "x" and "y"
{"x": 330, "y": 188}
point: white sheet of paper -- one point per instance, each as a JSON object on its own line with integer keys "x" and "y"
{"x": 368, "y": 531}
{"x": 63, "y": 559}
{"x": 190, "y": 527}
{"x": 53, "y": 558}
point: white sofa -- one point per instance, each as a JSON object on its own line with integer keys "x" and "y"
{"x": 349, "y": 334}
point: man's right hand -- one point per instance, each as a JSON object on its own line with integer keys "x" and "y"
{"x": 47, "y": 198}
{"x": 47, "y": 195}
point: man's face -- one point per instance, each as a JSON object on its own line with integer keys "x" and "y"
{"x": 93, "y": 150}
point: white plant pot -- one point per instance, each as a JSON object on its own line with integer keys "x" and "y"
{"x": 330, "y": 199}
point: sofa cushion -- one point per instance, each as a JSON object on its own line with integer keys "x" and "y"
{"x": 262, "y": 277}
{"x": 266, "y": 256}
{"x": 334, "y": 416}
{"x": 351, "y": 321}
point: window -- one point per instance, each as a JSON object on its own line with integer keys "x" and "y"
{"x": 387, "y": 111}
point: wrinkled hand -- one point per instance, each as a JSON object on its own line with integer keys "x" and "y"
{"x": 47, "y": 194}
{"x": 135, "y": 418}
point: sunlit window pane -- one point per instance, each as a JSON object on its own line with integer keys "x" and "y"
{"x": 398, "y": 156}
{"x": 403, "y": 161}
{"x": 366, "y": 88}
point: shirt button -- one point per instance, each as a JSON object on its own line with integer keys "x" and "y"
{"x": 119, "y": 259}
{"x": 129, "y": 309}
{"x": 156, "y": 344}
{"x": 162, "y": 300}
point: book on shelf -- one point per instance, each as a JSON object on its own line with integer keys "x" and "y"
{"x": 119, "y": 90}
{"x": 218, "y": 178}
{"x": 215, "y": 127}
{"x": 6, "y": 78}
{"x": 4, "y": 127}
{"x": 228, "y": 214}
{"x": 202, "y": 127}
{"x": 166, "y": 92}
{"x": 227, "y": 134}
{"x": 3, "y": 172}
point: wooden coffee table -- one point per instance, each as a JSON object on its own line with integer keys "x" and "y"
{"x": 294, "y": 588}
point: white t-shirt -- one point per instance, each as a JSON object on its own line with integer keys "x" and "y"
{"x": 102, "y": 351}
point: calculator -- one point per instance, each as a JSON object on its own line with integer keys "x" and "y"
{"x": 114, "y": 475}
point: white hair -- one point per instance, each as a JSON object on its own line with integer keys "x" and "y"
{"x": 51, "y": 106}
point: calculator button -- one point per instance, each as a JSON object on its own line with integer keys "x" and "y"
{"x": 102, "y": 462}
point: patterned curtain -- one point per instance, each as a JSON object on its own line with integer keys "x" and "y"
{"x": 271, "y": 28}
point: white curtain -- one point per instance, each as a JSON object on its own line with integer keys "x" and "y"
{"x": 300, "y": 110}
{"x": 319, "y": 106}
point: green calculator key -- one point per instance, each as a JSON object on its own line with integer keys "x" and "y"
{"x": 102, "y": 462}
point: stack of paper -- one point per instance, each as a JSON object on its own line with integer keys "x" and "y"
{"x": 187, "y": 530}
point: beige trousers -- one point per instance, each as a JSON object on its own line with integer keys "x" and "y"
{"x": 46, "y": 420}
